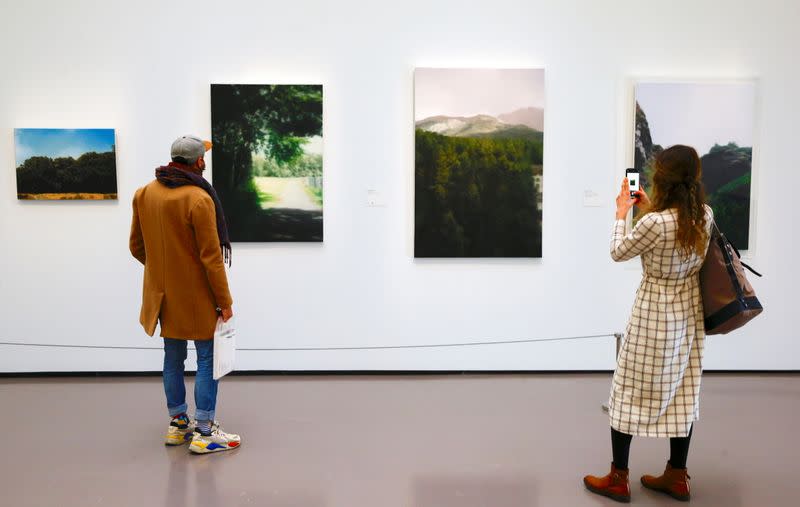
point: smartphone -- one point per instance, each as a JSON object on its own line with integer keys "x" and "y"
{"x": 633, "y": 180}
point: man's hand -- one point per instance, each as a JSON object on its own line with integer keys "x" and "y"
{"x": 226, "y": 314}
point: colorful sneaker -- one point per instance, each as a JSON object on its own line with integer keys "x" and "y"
{"x": 217, "y": 441}
{"x": 180, "y": 430}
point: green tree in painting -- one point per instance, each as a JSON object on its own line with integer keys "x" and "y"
{"x": 305, "y": 165}
{"x": 272, "y": 121}
{"x": 475, "y": 197}
{"x": 90, "y": 173}
{"x": 726, "y": 175}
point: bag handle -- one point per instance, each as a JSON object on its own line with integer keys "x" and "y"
{"x": 722, "y": 243}
{"x": 744, "y": 265}
{"x": 750, "y": 269}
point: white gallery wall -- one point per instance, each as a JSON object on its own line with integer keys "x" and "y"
{"x": 144, "y": 68}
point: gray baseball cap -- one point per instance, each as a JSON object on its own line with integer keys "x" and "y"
{"x": 189, "y": 147}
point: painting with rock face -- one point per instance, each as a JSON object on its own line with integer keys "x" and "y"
{"x": 267, "y": 160}
{"x": 479, "y": 136}
{"x": 717, "y": 119}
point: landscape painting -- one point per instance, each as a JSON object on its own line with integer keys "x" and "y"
{"x": 65, "y": 164}
{"x": 267, "y": 160}
{"x": 717, "y": 119}
{"x": 479, "y": 137}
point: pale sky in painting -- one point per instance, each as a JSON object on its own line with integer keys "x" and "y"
{"x": 314, "y": 146}
{"x": 699, "y": 114}
{"x": 469, "y": 92}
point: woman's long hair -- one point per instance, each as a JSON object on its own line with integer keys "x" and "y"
{"x": 677, "y": 184}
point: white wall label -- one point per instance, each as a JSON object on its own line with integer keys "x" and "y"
{"x": 375, "y": 199}
{"x": 591, "y": 199}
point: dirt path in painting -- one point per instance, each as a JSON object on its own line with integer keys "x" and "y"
{"x": 287, "y": 193}
{"x": 289, "y": 213}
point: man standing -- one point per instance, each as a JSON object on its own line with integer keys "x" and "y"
{"x": 179, "y": 234}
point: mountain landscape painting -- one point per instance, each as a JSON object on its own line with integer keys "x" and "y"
{"x": 717, "y": 119}
{"x": 479, "y": 136}
{"x": 267, "y": 160}
{"x": 66, "y": 164}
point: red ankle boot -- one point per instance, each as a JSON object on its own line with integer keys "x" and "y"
{"x": 674, "y": 482}
{"x": 615, "y": 485}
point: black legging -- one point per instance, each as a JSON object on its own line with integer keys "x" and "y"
{"x": 621, "y": 447}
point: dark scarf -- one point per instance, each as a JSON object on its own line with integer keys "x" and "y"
{"x": 177, "y": 175}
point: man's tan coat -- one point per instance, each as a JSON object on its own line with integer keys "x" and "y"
{"x": 174, "y": 234}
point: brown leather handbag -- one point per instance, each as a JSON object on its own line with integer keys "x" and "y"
{"x": 729, "y": 301}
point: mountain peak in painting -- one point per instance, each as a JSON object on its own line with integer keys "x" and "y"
{"x": 460, "y": 126}
{"x": 481, "y": 125}
{"x": 531, "y": 117}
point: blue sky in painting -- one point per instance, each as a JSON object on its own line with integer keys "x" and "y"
{"x": 60, "y": 142}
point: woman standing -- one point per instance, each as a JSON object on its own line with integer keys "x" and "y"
{"x": 656, "y": 385}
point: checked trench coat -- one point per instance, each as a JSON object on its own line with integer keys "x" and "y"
{"x": 655, "y": 391}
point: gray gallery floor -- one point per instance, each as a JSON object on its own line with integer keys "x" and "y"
{"x": 384, "y": 441}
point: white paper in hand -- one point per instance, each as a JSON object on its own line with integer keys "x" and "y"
{"x": 224, "y": 347}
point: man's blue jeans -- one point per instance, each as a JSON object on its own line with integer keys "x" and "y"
{"x": 205, "y": 387}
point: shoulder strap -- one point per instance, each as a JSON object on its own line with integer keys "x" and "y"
{"x": 725, "y": 240}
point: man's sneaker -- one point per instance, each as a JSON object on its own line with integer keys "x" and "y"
{"x": 217, "y": 441}
{"x": 180, "y": 430}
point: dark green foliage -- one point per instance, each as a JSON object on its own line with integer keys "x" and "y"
{"x": 271, "y": 120}
{"x": 727, "y": 175}
{"x": 725, "y": 164}
{"x": 268, "y": 119}
{"x": 475, "y": 197}
{"x": 91, "y": 173}
{"x": 515, "y": 132}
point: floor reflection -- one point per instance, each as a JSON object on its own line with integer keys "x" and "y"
{"x": 475, "y": 492}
